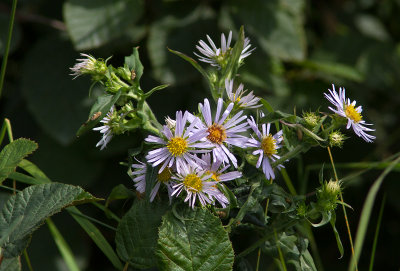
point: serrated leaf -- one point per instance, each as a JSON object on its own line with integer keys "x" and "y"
{"x": 12, "y": 264}
{"x": 24, "y": 212}
{"x": 99, "y": 110}
{"x": 94, "y": 23}
{"x": 136, "y": 236}
{"x": 12, "y": 154}
{"x": 195, "y": 241}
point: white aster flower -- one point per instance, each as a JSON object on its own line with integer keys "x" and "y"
{"x": 239, "y": 97}
{"x": 195, "y": 181}
{"x": 222, "y": 131}
{"x": 139, "y": 177}
{"x": 218, "y": 56}
{"x": 347, "y": 109}
{"x": 267, "y": 146}
{"x": 106, "y": 129}
{"x": 178, "y": 148}
{"x": 84, "y": 65}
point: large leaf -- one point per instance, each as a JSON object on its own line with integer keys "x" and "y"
{"x": 193, "y": 240}
{"x": 12, "y": 264}
{"x": 12, "y": 154}
{"x": 24, "y": 212}
{"x": 137, "y": 232}
{"x": 94, "y": 23}
{"x": 58, "y": 103}
{"x": 278, "y": 26}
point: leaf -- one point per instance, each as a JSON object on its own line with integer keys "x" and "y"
{"x": 94, "y": 23}
{"x": 333, "y": 68}
{"x": 366, "y": 213}
{"x": 337, "y": 236}
{"x": 233, "y": 62}
{"x": 96, "y": 236}
{"x": 278, "y": 115}
{"x": 119, "y": 192}
{"x": 12, "y": 154}
{"x": 32, "y": 169}
{"x": 58, "y": 103}
{"x": 326, "y": 217}
{"x": 136, "y": 236}
{"x": 193, "y": 62}
{"x": 196, "y": 242}
{"x": 24, "y": 212}
{"x": 278, "y": 26}
{"x": 103, "y": 105}
{"x": 12, "y": 264}
{"x": 135, "y": 65}
{"x": 148, "y": 94}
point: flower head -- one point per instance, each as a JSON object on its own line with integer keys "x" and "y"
{"x": 139, "y": 176}
{"x": 196, "y": 182}
{"x": 347, "y": 109}
{"x": 218, "y": 57}
{"x": 267, "y": 146}
{"x": 106, "y": 129}
{"x": 178, "y": 147}
{"x": 221, "y": 131}
{"x": 239, "y": 97}
{"x": 89, "y": 65}
{"x": 217, "y": 172}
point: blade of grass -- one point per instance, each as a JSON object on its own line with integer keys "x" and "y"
{"x": 366, "y": 212}
{"x": 63, "y": 246}
{"x": 282, "y": 260}
{"x": 378, "y": 226}
{"x": 97, "y": 237}
{"x": 7, "y": 49}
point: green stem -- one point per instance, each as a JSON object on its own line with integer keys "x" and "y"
{"x": 7, "y": 49}
{"x": 28, "y": 261}
{"x": 371, "y": 264}
{"x": 93, "y": 220}
{"x": 298, "y": 149}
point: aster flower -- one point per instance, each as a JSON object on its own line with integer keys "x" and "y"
{"x": 139, "y": 177}
{"x": 347, "y": 109}
{"x": 239, "y": 97}
{"x": 222, "y": 131}
{"x": 177, "y": 148}
{"x": 217, "y": 172}
{"x": 218, "y": 56}
{"x": 106, "y": 129}
{"x": 267, "y": 146}
{"x": 89, "y": 65}
{"x": 195, "y": 181}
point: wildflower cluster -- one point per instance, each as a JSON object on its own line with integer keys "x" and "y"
{"x": 225, "y": 154}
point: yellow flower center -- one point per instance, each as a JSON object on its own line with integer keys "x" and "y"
{"x": 215, "y": 176}
{"x": 352, "y": 113}
{"x": 193, "y": 182}
{"x": 164, "y": 176}
{"x": 268, "y": 145}
{"x": 216, "y": 133}
{"x": 177, "y": 146}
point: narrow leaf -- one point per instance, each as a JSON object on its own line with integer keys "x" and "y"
{"x": 196, "y": 242}
{"x": 96, "y": 236}
{"x": 191, "y": 61}
{"x": 366, "y": 213}
{"x": 29, "y": 208}
{"x": 12, "y": 154}
{"x": 119, "y": 192}
{"x": 98, "y": 111}
{"x": 337, "y": 236}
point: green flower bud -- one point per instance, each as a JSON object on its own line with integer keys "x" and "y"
{"x": 311, "y": 119}
{"x": 336, "y": 139}
{"x": 328, "y": 194}
{"x": 97, "y": 68}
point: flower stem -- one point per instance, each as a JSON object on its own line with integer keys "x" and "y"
{"x": 7, "y": 49}
{"x": 344, "y": 208}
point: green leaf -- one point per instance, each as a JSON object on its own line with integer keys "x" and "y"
{"x": 233, "y": 62}
{"x": 12, "y": 264}
{"x": 12, "y": 155}
{"x": 135, "y": 65}
{"x": 148, "y": 94}
{"x": 99, "y": 111}
{"x": 337, "y": 236}
{"x": 94, "y": 23}
{"x": 278, "y": 26}
{"x": 196, "y": 241}
{"x": 278, "y": 115}
{"x": 366, "y": 213}
{"x": 24, "y": 212}
{"x": 119, "y": 192}
{"x": 326, "y": 217}
{"x": 136, "y": 236}
{"x": 96, "y": 236}
{"x": 193, "y": 62}
{"x": 32, "y": 169}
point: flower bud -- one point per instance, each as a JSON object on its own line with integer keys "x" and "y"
{"x": 97, "y": 68}
{"x": 336, "y": 139}
{"x": 311, "y": 119}
{"x": 328, "y": 195}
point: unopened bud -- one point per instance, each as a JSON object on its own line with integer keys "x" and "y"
{"x": 336, "y": 139}
{"x": 311, "y": 119}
